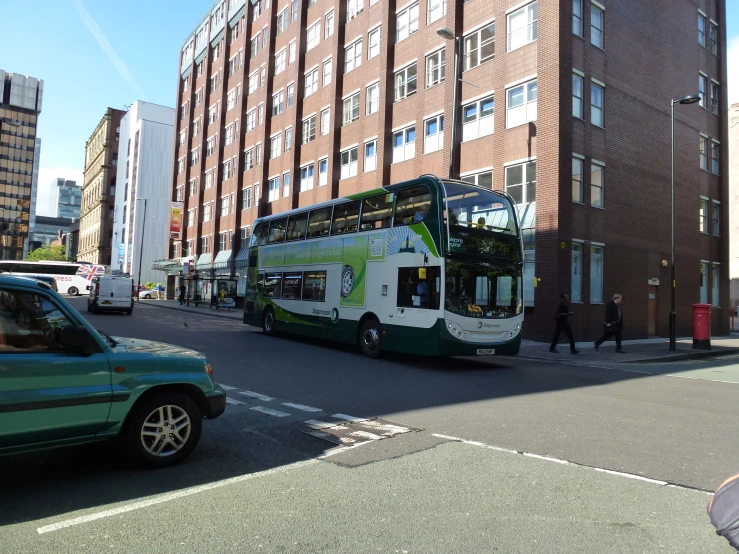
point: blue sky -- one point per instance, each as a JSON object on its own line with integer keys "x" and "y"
{"x": 58, "y": 42}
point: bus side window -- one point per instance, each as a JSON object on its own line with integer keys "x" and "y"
{"x": 416, "y": 290}
{"x": 277, "y": 228}
{"x": 319, "y": 223}
{"x": 260, "y": 283}
{"x": 377, "y": 212}
{"x": 259, "y": 237}
{"x": 296, "y": 226}
{"x": 346, "y": 218}
{"x": 412, "y": 205}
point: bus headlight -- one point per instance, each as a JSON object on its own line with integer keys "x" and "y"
{"x": 514, "y": 332}
{"x": 455, "y": 329}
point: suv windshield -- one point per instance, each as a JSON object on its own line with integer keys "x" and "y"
{"x": 483, "y": 290}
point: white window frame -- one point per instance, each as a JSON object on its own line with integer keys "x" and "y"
{"x": 278, "y": 103}
{"x": 527, "y": 180}
{"x": 576, "y": 272}
{"x": 372, "y": 105}
{"x": 352, "y": 56}
{"x": 273, "y": 188}
{"x": 703, "y": 90}
{"x": 597, "y": 110}
{"x": 322, "y": 175}
{"x": 402, "y": 81}
{"x": 703, "y": 298}
{"x": 329, "y": 24}
{"x": 703, "y": 152}
{"x": 307, "y": 176}
{"x": 577, "y": 26}
{"x": 373, "y": 43}
{"x": 406, "y": 149}
{"x": 310, "y": 82}
{"x": 436, "y": 10}
{"x": 280, "y": 61}
{"x": 528, "y": 32}
{"x": 433, "y": 142}
{"x": 435, "y": 67}
{"x": 406, "y": 22}
{"x": 578, "y": 166}
{"x": 275, "y": 146}
{"x": 480, "y": 125}
{"x": 528, "y": 107}
{"x": 353, "y": 9}
{"x": 313, "y": 36}
{"x": 286, "y": 181}
{"x": 288, "y": 138}
{"x": 476, "y": 47}
{"x": 349, "y": 169}
{"x": 578, "y": 106}
{"x": 310, "y": 119}
{"x": 597, "y": 25}
{"x": 325, "y": 121}
{"x": 715, "y": 157}
{"x": 370, "y": 162}
{"x": 328, "y": 71}
{"x": 350, "y": 107}
{"x": 602, "y": 185}
{"x": 597, "y": 261}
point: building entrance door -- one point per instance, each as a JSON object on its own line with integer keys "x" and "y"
{"x": 653, "y": 311}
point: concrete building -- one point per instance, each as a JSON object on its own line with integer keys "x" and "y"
{"x": 49, "y": 229}
{"x": 65, "y": 199}
{"x": 147, "y": 134}
{"x": 98, "y": 191}
{"x": 734, "y": 202}
{"x": 289, "y": 103}
{"x": 34, "y": 194}
{"x": 20, "y": 104}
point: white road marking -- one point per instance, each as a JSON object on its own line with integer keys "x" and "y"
{"x": 173, "y": 496}
{"x": 226, "y": 387}
{"x": 366, "y": 435}
{"x": 316, "y": 424}
{"x": 233, "y": 402}
{"x": 270, "y": 411}
{"x": 630, "y": 476}
{"x": 302, "y": 407}
{"x": 348, "y": 417}
{"x": 262, "y": 397}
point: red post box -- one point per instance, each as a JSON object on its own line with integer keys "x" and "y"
{"x": 702, "y": 326}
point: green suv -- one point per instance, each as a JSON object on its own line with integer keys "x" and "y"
{"x": 62, "y": 382}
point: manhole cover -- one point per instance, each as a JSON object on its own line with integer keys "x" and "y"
{"x": 353, "y": 433}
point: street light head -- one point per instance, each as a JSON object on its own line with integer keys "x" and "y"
{"x": 446, "y": 33}
{"x": 690, "y": 99}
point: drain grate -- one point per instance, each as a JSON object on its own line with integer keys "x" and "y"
{"x": 354, "y": 433}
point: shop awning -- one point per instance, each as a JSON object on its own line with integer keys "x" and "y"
{"x": 203, "y": 262}
{"x": 223, "y": 260}
{"x": 242, "y": 258}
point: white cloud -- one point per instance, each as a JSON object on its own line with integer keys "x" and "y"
{"x": 102, "y": 41}
{"x": 733, "y": 69}
{"x": 47, "y": 176}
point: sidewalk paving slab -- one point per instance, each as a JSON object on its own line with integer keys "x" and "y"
{"x": 235, "y": 313}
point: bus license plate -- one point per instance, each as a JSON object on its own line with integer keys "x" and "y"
{"x": 485, "y": 351}
{"x": 106, "y": 302}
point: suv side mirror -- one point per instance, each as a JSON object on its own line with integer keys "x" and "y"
{"x": 76, "y": 337}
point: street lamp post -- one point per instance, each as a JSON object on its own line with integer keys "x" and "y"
{"x": 141, "y": 251}
{"x": 448, "y": 34}
{"x": 689, "y": 99}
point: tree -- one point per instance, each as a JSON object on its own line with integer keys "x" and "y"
{"x": 54, "y": 253}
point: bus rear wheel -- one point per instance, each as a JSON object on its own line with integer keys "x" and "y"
{"x": 370, "y": 338}
{"x": 72, "y": 291}
{"x": 268, "y": 322}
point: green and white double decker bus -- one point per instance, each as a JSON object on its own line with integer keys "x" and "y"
{"x": 429, "y": 266}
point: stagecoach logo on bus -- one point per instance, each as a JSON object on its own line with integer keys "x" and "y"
{"x": 483, "y": 325}
{"x": 333, "y": 314}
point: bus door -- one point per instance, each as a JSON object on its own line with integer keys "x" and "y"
{"x": 419, "y": 294}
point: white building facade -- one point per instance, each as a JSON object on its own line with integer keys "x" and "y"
{"x": 144, "y": 179}
{"x": 734, "y": 206}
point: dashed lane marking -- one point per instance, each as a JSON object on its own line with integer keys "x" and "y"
{"x": 234, "y": 402}
{"x": 258, "y": 396}
{"x": 226, "y": 387}
{"x": 302, "y": 407}
{"x": 348, "y": 417}
{"x": 270, "y": 411}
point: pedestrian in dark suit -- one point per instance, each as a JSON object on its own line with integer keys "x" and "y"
{"x": 560, "y": 316}
{"x": 613, "y": 324}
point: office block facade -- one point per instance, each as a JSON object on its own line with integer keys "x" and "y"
{"x": 562, "y": 103}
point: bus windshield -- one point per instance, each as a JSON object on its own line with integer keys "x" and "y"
{"x": 487, "y": 291}
{"x": 474, "y": 208}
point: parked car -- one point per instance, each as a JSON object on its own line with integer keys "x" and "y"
{"x": 110, "y": 293}
{"x": 147, "y": 294}
{"x": 51, "y": 281}
{"x": 65, "y": 383}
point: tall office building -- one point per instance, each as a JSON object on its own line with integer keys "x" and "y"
{"x": 98, "y": 191}
{"x": 65, "y": 199}
{"x": 284, "y": 104}
{"x": 34, "y": 193}
{"x": 20, "y": 104}
{"x": 147, "y": 135}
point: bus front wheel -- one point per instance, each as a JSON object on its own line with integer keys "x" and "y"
{"x": 72, "y": 291}
{"x": 370, "y": 338}
{"x": 268, "y": 322}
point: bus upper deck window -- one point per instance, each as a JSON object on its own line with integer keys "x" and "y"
{"x": 277, "y": 230}
{"x": 412, "y": 205}
{"x": 296, "y": 226}
{"x": 259, "y": 237}
{"x": 377, "y": 212}
{"x": 319, "y": 223}
{"x": 346, "y": 218}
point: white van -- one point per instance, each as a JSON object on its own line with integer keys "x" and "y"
{"x": 110, "y": 293}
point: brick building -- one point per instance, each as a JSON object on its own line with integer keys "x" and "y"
{"x": 285, "y": 103}
{"x": 98, "y": 191}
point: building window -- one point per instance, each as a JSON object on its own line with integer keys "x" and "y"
{"x": 280, "y": 59}
{"x": 190, "y": 218}
{"x": 273, "y": 186}
{"x": 246, "y": 198}
{"x": 309, "y": 129}
{"x": 288, "y": 139}
{"x": 522, "y": 102}
{"x": 703, "y": 216}
{"x": 407, "y": 22}
{"x": 256, "y": 46}
{"x": 183, "y": 137}
{"x": 206, "y": 212}
{"x": 265, "y": 37}
{"x": 306, "y": 177}
{"x": 233, "y": 65}
{"x": 715, "y": 157}
{"x": 278, "y": 103}
{"x": 437, "y": 10}
{"x": 596, "y": 274}
{"x": 702, "y": 84}
{"x": 210, "y": 146}
{"x": 327, "y": 72}
{"x": 433, "y": 134}
{"x": 248, "y": 159}
{"x": 282, "y": 21}
{"x": 477, "y": 119}
{"x": 353, "y": 9}
{"x": 596, "y": 105}
{"x": 373, "y": 41}
{"x": 192, "y": 188}
{"x": 597, "y": 19}
{"x": 713, "y": 37}
{"x": 703, "y": 152}
{"x": 195, "y": 127}
{"x": 372, "y": 98}
{"x": 285, "y": 184}
{"x": 523, "y": 26}
{"x": 715, "y": 274}
{"x": 405, "y": 82}
{"x": 295, "y": 10}
{"x": 435, "y": 68}
{"x": 290, "y": 95}
{"x": 209, "y": 179}
{"x": 577, "y": 180}
{"x": 576, "y": 294}
{"x": 701, "y": 29}
{"x": 245, "y": 234}
{"x": 311, "y": 82}
{"x": 404, "y": 144}
{"x": 180, "y": 166}
{"x": 577, "y": 105}
{"x": 479, "y": 47}
{"x": 213, "y": 83}
{"x": 229, "y": 138}
{"x": 353, "y": 56}
{"x": 262, "y": 75}
{"x": 322, "y": 172}
{"x": 370, "y": 156}
{"x": 226, "y": 169}
{"x": 483, "y": 179}
{"x": 193, "y": 157}
{"x": 251, "y": 120}
{"x": 349, "y": 163}
{"x": 253, "y": 82}
{"x": 329, "y": 25}
{"x": 596, "y": 185}
{"x": 520, "y": 182}
{"x": 275, "y": 146}
{"x": 704, "y": 283}
{"x": 350, "y": 111}
{"x": 577, "y": 17}
{"x": 212, "y": 114}
{"x": 223, "y": 242}
{"x": 292, "y": 52}
{"x": 224, "y": 206}
{"x": 325, "y": 121}
{"x": 714, "y": 97}
{"x": 313, "y": 36}
{"x": 715, "y": 219}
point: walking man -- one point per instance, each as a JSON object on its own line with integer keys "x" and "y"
{"x": 560, "y": 316}
{"x": 613, "y": 324}
{"x": 182, "y": 294}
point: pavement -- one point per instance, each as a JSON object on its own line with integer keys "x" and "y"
{"x": 490, "y": 454}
